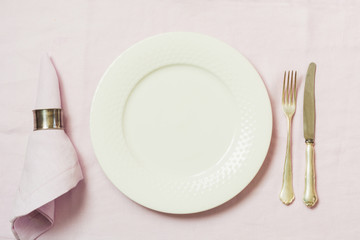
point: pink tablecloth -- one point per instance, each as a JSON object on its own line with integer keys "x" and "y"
{"x": 84, "y": 37}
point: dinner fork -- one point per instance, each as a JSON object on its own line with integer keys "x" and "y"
{"x": 289, "y": 106}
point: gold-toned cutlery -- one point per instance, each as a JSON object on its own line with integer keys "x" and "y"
{"x": 310, "y": 195}
{"x": 289, "y": 106}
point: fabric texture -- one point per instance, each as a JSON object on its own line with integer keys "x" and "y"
{"x": 84, "y": 37}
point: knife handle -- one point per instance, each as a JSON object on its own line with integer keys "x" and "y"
{"x": 310, "y": 196}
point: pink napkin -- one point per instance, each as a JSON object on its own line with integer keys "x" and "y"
{"x": 51, "y": 166}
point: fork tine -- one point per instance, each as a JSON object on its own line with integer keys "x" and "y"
{"x": 295, "y": 87}
{"x": 291, "y": 88}
{"x": 287, "y": 88}
{"x": 283, "y": 92}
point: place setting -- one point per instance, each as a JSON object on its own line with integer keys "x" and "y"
{"x": 180, "y": 123}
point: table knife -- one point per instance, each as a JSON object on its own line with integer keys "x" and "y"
{"x": 310, "y": 195}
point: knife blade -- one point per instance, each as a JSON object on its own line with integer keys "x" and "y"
{"x": 310, "y": 195}
{"x": 309, "y": 104}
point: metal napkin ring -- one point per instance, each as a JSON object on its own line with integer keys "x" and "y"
{"x": 48, "y": 119}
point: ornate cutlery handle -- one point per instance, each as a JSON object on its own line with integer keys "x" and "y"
{"x": 287, "y": 192}
{"x": 310, "y": 196}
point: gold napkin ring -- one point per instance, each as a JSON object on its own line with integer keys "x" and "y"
{"x": 48, "y": 119}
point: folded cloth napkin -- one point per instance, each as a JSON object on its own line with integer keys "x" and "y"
{"x": 51, "y": 166}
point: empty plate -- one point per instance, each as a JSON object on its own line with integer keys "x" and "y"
{"x": 181, "y": 122}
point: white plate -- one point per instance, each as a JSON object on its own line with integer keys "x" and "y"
{"x": 181, "y": 122}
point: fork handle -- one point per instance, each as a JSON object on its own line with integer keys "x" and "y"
{"x": 287, "y": 192}
{"x": 310, "y": 195}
